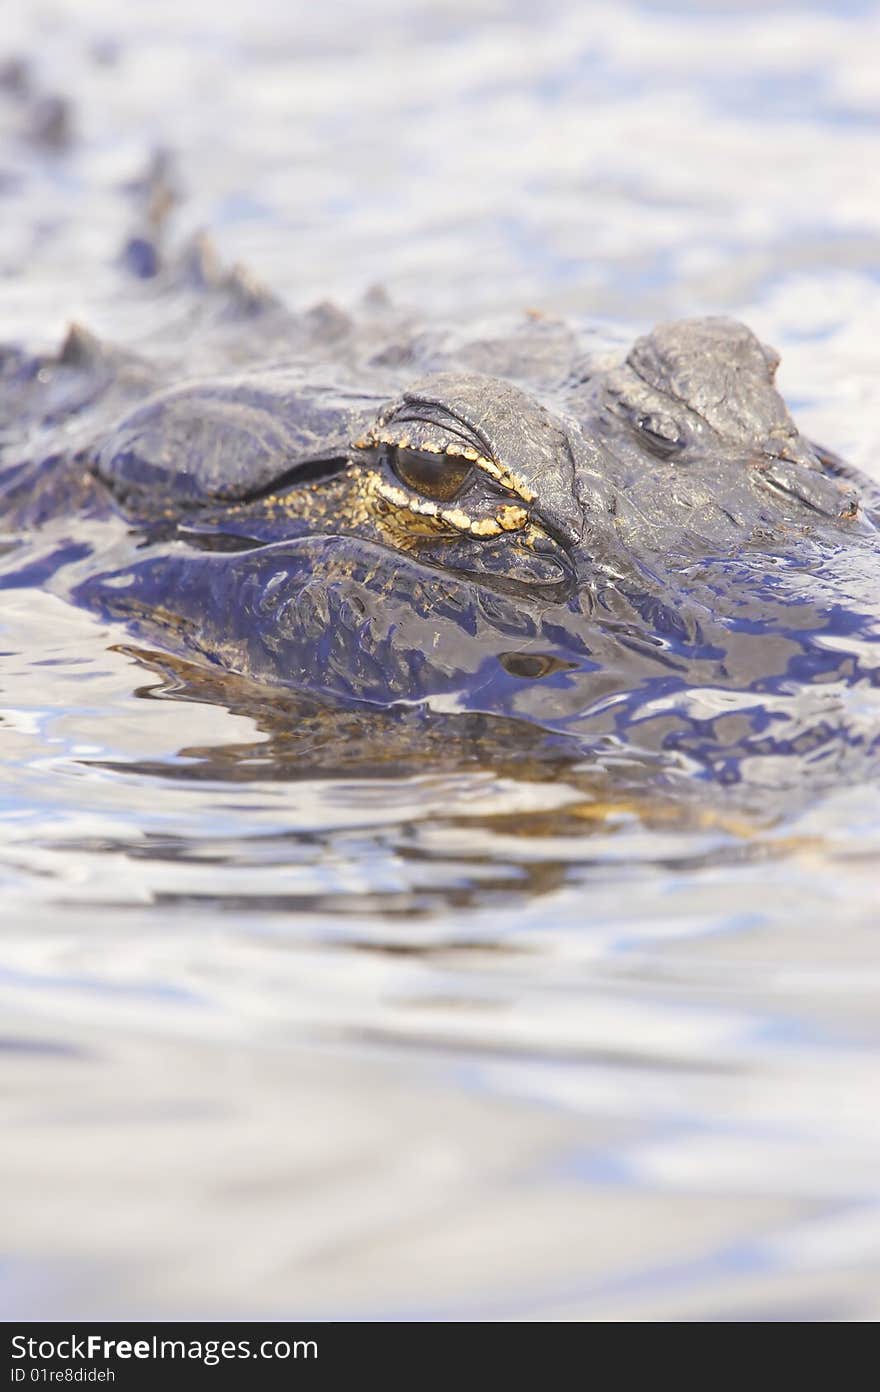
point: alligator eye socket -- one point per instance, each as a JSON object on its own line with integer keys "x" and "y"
{"x": 660, "y": 432}
{"x": 440, "y": 477}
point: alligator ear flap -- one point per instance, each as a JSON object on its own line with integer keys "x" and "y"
{"x": 306, "y": 468}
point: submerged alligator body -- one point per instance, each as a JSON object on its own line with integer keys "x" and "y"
{"x": 631, "y": 547}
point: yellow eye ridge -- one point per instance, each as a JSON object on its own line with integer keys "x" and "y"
{"x": 432, "y": 517}
{"x": 496, "y": 472}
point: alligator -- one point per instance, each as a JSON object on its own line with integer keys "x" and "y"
{"x": 624, "y": 546}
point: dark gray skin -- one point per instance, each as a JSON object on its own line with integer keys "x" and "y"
{"x": 641, "y": 553}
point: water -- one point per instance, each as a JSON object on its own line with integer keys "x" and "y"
{"x": 292, "y": 1031}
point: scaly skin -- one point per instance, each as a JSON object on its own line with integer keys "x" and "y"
{"x": 636, "y": 550}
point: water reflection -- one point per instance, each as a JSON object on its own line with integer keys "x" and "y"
{"x": 377, "y": 1020}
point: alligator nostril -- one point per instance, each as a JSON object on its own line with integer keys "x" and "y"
{"x": 832, "y": 497}
{"x": 793, "y": 449}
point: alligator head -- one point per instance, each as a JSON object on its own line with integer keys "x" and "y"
{"x": 581, "y": 559}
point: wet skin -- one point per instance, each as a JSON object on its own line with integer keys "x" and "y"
{"x": 634, "y": 550}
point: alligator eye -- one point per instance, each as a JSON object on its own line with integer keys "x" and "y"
{"x": 660, "y": 432}
{"x": 440, "y": 477}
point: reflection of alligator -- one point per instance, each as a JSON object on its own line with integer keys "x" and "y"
{"x": 632, "y": 545}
